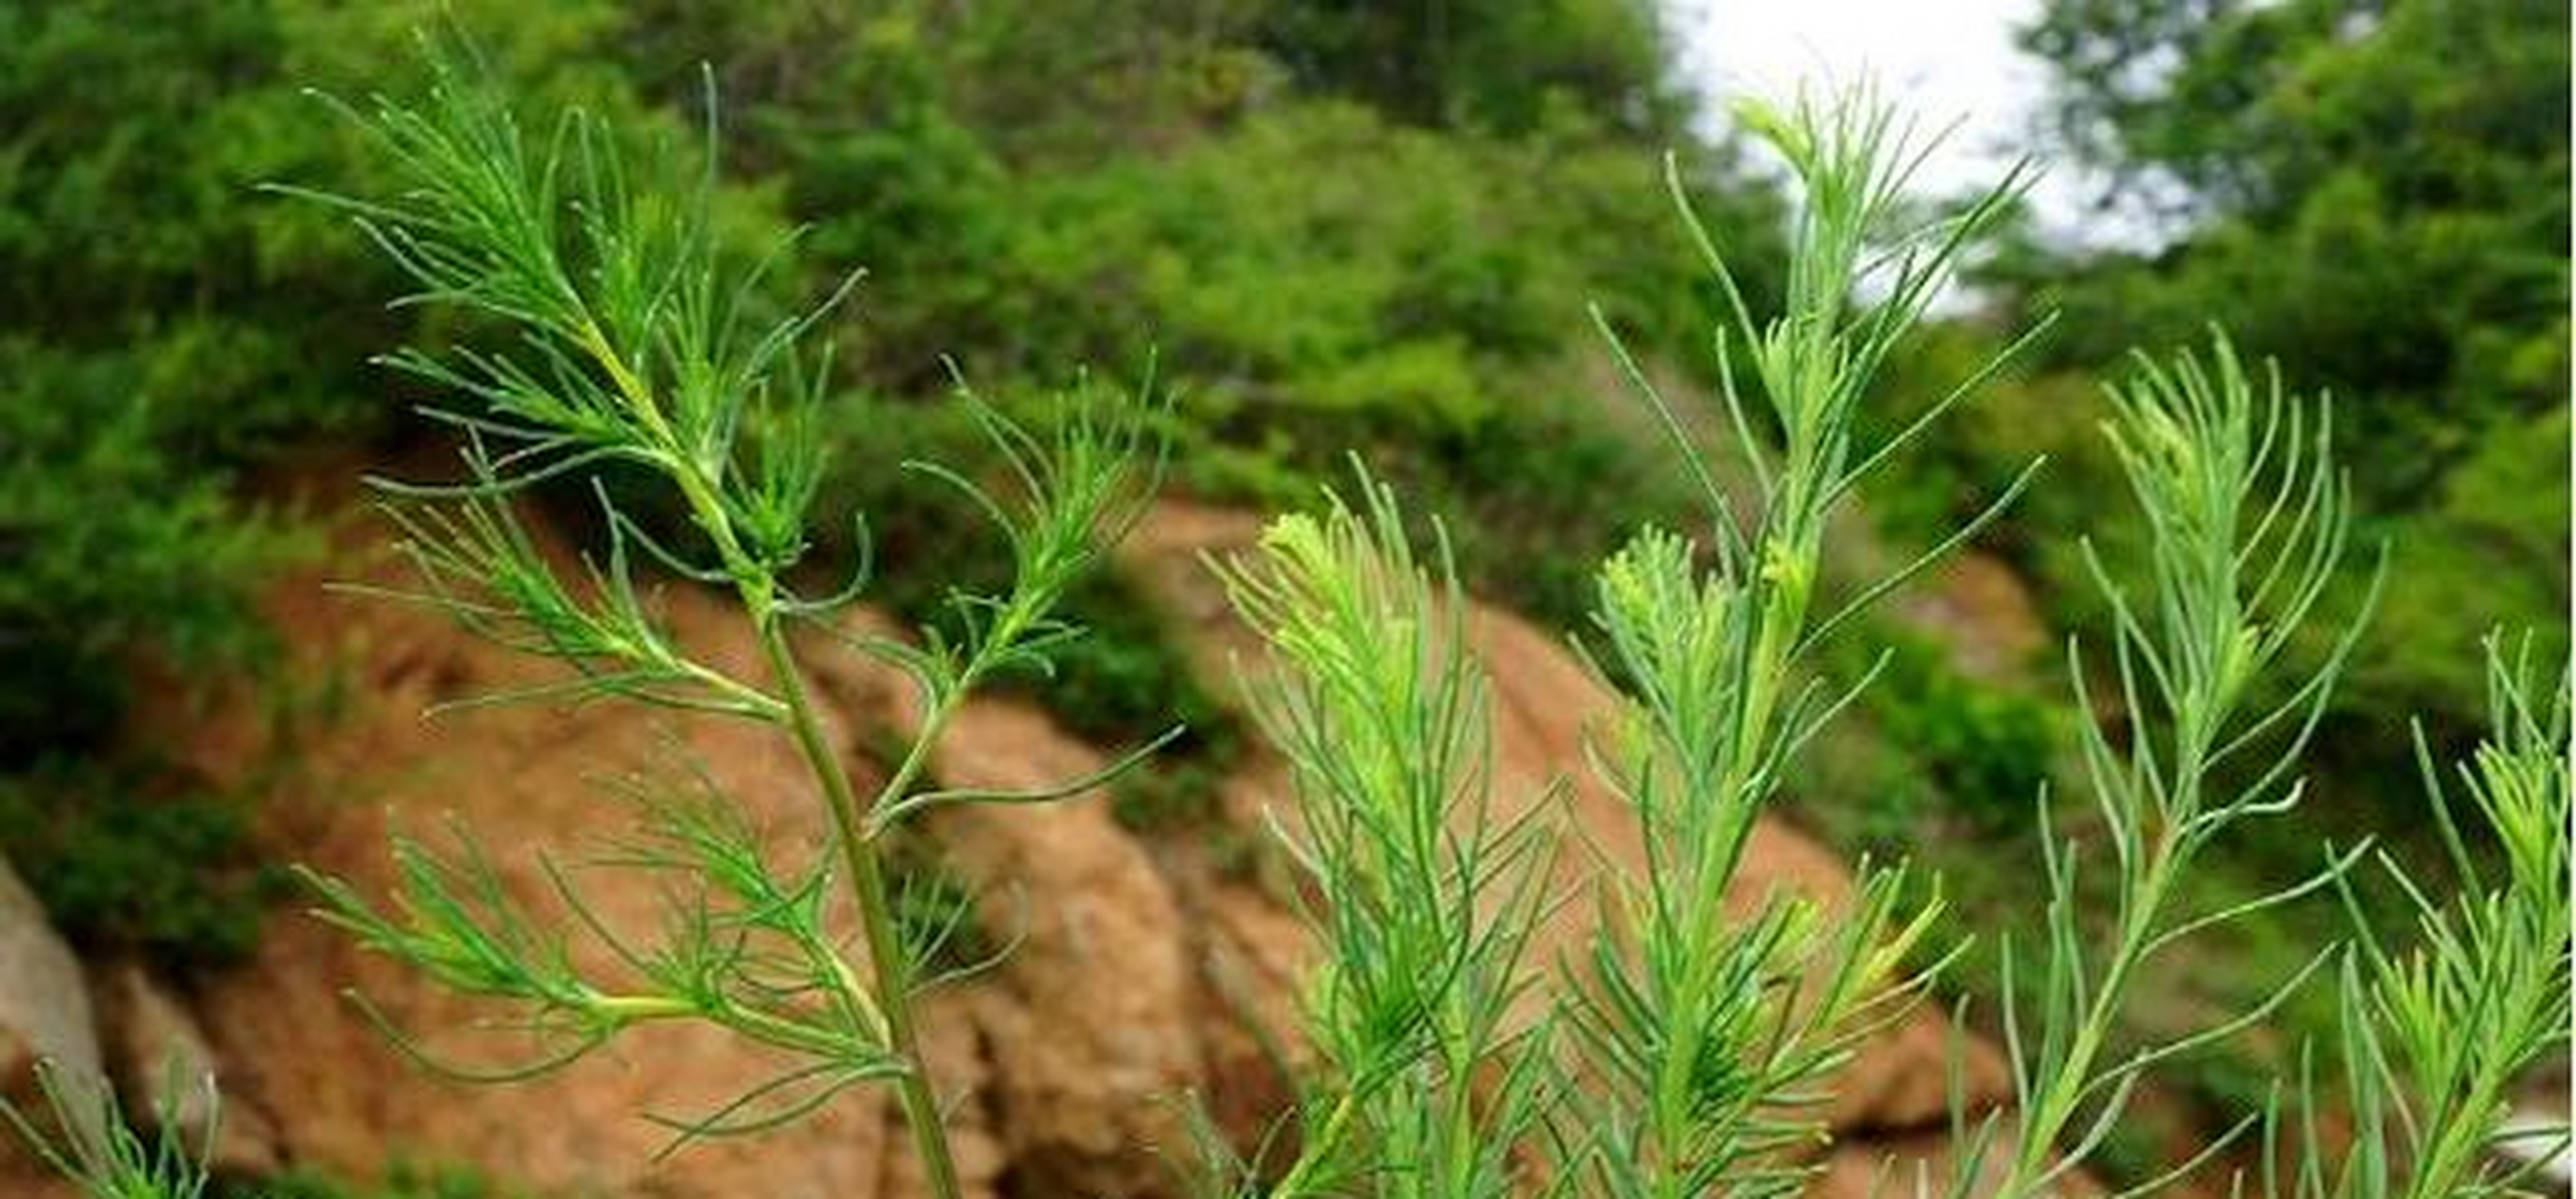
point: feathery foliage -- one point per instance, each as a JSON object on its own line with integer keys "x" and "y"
{"x": 95, "y": 1148}
{"x": 2436, "y": 1033}
{"x": 1427, "y": 888}
{"x": 2247, "y": 517}
{"x": 1701, "y": 1037}
{"x": 1713, "y": 1030}
{"x": 638, "y": 343}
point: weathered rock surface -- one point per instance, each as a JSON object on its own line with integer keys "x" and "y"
{"x": 44, "y": 1016}
{"x": 1080, "y": 1021}
{"x": 44, "y": 1006}
{"x": 525, "y": 782}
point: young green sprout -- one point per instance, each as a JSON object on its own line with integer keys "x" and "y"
{"x": 2246, "y": 519}
{"x": 2434, "y": 1035}
{"x": 95, "y": 1149}
{"x": 1711, "y": 1035}
{"x": 637, "y": 343}
{"x": 1425, "y": 898}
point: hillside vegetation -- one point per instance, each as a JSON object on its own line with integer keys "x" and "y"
{"x": 1330, "y": 229}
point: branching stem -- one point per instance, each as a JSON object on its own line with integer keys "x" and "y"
{"x": 888, "y": 962}
{"x": 886, "y": 956}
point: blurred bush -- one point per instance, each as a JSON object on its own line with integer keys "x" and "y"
{"x": 130, "y": 858}
{"x": 1982, "y": 749}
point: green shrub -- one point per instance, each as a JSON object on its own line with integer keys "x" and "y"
{"x": 2489, "y": 550}
{"x": 130, "y": 860}
{"x": 1485, "y": 66}
{"x": 173, "y": 332}
{"x": 117, "y": 546}
{"x": 1981, "y": 749}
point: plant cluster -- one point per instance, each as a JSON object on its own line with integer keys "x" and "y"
{"x": 1684, "y": 1053}
{"x": 1682, "y": 1047}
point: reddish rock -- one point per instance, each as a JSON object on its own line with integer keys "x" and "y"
{"x": 1088, "y": 1024}
{"x": 525, "y": 781}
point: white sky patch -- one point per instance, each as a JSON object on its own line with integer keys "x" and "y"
{"x": 1942, "y": 60}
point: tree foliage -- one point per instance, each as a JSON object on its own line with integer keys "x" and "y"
{"x": 2374, "y": 194}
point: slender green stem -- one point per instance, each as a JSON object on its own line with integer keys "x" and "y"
{"x": 887, "y": 960}
{"x": 1321, "y": 1148}
{"x": 2144, "y": 902}
{"x": 886, "y": 956}
{"x": 1461, "y": 1127}
{"x": 639, "y": 1008}
{"x": 1783, "y": 614}
{"x": 2050, "y": 1116}
{"x": 781, "y": 1033}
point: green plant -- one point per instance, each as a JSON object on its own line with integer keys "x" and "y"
{"x": 2318, "y": 165}
{"x": 400, "y": 1180}
{"x": 639, "y": 344}
{"x": 1427, "y": 893}
{"x": 1695, "y": 1033}
{"x": 94, "y": 1147}
{"x": 1681, "y": 1050}
{"x": 2246, "y": 517}
{"x": 1708, "y": 1028}
{"x": 1699, "y": 1040}
{"x": 1124, "y": 681}
{"x": 935, "y": 912}
{"x": 2435, "y": 1034}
